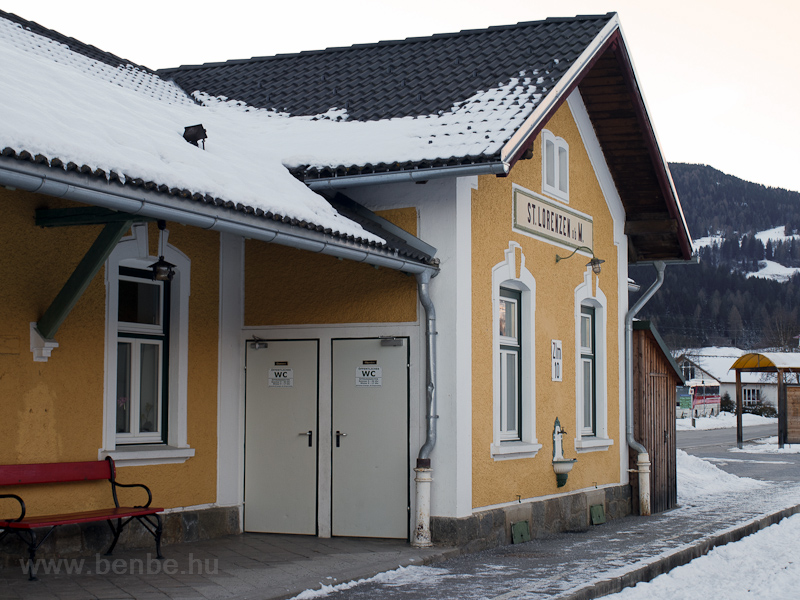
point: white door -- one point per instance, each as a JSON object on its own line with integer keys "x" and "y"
{"x": 370, "y": 438}
{"x": 280, "y": 486}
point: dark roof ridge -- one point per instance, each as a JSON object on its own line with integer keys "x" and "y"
{"x": 410, "y": 40}
{"x": 75, "y": 45}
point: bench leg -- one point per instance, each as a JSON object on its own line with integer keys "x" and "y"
{"x": 116, "y": 531}
{"x": 33, "y": 546}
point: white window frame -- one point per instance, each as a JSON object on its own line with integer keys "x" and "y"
{"x": 133, "y": 251}
{"x": 510, "y": 351}
{"x": 512, "y": 274}
{"x": 560, "y": 187}
{"x": 589, "y": 294}
{"x": 134, "y": 436}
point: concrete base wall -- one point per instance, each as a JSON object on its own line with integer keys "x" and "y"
{"x": 570, "y": 512}
{"x": 95, "y": 538}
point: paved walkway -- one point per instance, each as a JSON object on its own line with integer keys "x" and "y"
{"x": 573, "y": 566}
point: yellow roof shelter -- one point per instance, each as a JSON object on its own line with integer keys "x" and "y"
{"x": 788, "y": 394}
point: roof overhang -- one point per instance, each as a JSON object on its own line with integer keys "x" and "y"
{"x": 768, "y": 362}
{"x": 606, "y": 78}
{"x": 87, "y": 189}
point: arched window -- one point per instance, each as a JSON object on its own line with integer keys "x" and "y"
{"x": 513, "y": 362}
{"x": 591, "y": 377}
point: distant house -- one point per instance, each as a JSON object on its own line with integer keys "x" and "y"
{"x": 704, "y": 367}
{"x": 394, "y": 267}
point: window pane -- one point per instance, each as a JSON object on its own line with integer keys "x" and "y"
{"x": 563, "y": 169}
{"x": 586, "y": 331}
{"x": 508, "y": 318}
{"x": 588, "y": 401}
{"x": 511, "y": 392}
{"x": 123, "y": 387}
{"x": 139, "y": 302}
{"x": 148, "y": 388}
{"x": 550, "y": 163}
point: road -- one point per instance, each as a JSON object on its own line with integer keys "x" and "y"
{"x": 714, "y": 446}
{"x": 722, "y": 437}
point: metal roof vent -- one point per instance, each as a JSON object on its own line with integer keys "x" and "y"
{"x": 194, "y": 134}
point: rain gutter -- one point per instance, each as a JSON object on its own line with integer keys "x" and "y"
{"x": 413, "y": 176}
{"x": 421, "y": 537}
{"x": 41, "y": 179}
{"x": 643, "y": 458}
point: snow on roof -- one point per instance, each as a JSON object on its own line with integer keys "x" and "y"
{"x": 64, "y": 105}
{"x": 717, "y": 362}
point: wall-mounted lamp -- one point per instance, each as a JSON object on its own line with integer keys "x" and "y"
{"x": 162, "y": 270}
{"x": 594, "y": 263}
{"x": 194, "y": 134}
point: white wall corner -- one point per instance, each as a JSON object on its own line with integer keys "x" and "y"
{"x": 230, "y": 390}
{"x": 41, "y": 347}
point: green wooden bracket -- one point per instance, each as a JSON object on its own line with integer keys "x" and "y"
{"x": 84, "y": 215}
{"x": 77, "y": 283}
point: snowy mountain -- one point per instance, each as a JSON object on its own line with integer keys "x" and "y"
{"x": 745, "y": 291}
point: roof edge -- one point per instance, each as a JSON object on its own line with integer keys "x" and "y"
{"x": 39, "y": 178}
{"x": 515, "y": 146}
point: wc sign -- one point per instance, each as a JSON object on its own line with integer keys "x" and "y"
{"x": 281, "y": 378}
{"x": 369, "y": 376}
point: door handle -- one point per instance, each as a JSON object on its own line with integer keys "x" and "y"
{"x": 339, "y": 435}
{"x": 310, "y": 435}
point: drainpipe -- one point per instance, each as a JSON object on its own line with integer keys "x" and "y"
{"x": 421, "y": 538}
{"x": 643, "y": 458}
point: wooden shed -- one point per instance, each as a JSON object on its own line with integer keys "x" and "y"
{"x": 655, "y": 378}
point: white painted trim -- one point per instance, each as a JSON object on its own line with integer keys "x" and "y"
{"x": 463, "y": 393}
{"x": 132, "y": 250}
{"x": 588, "y": 294}
{"x": 230, "y": 375}
{"x": 548, "y": 190}
{"x": 555, "y": 94}
{"x": 505, "y": 273}
{"x": 41, "y": 347}
{"x": 617, "y": 210}
{"x": 157, "y": 454}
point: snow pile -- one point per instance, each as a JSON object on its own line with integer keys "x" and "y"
{"x": 399, "y": 577}
{"x": 723, "y": 420}
{"x": 768, "y": 446}
{"x": 698, "y": 478}
{"x": 746, "y": 570}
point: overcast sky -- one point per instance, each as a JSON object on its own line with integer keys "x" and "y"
{"x": 721, "y": 77}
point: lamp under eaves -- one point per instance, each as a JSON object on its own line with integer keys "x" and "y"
{"x": 162, "y": 270}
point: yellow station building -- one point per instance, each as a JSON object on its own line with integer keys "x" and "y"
{"x": 399, "y": 285}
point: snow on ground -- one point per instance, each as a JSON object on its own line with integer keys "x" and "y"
{"x": 698, "y": 478}
{"x": 776, "y": 234}
{"x": 722, "y": 421}
{"x": 769, "y": 269}
{"x": 707, "y": 241}
{"x": 763, "y": 565}
{"x": 398, "y": 577}
{"x": 768, "y": 446}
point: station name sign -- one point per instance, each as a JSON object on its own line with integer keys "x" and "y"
{"x": 543, "y": 218}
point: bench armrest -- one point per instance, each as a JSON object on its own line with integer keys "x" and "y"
{"x": 21, "y": 506}
{"x": 115, "y": 485}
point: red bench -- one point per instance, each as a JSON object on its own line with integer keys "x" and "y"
{"x": 117, "y": 517}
